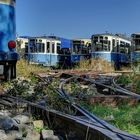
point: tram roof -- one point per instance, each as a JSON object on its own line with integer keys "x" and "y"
{"x": 113, "y": 35}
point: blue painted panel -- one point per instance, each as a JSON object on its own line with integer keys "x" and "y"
{"x": 7, "y": 26}
{"x": 102, "y": 55}
{"x": 8, "y": 56}
{"x": 135, "y": 56}
{"x": 123, "y": 58}
{"x": 77, "y": 57}
{"x": 7, "y": 32}
{"x": 65, "y": 43}
{"x": 44, "y": 59}
{"x": 108, "y": 56}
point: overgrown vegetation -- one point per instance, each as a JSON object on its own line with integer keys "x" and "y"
{"x": 24, "y": 69}
{"x": 123, "y": 117}
{"x": 79, "y": 90}
{"x": 97, "y": 65}
{"x": 124, "y": 79}
{"x": 131, "y": 81}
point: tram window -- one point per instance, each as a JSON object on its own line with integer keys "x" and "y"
{"x": 122, "y": 50}
{"x": 113, "y": 42}
{"x": 26, "y": 44}
{"x": 84, "y": 50}
{"x": 106, "y": 38}
{"x": 105, "y": 41}
{"x": 95, "y": 40}
{"x": 58, "y": 47}
{"x": 26, "y": 47}
{"x": 53, "y": 47}
{"x": 137, "y": 42}
{"x": 37, "y": 47}
{"x": 101, "y": 39}
{"x": 102, "y": 48}
{"x": 74, "y": 48}
{"x": 78, "y": 49}
{"x": 31, "y": 49}
{"x": 34, "y": 49}
{"x": 48, "y": 47}
{"x": 41, "y": 48}
{"x": 127, "y": 44}
{"x": 122, "y": 44}
{"x": 137, "y": 48}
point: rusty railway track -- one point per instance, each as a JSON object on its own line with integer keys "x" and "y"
{"x": 87, "y": 115}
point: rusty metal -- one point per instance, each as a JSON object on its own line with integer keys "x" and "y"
{"x": 117, "y": 134}
{"x": 82, "y": 127}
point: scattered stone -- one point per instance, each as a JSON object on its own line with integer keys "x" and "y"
{"x": 32, "y": 135}
{"x": 52, "y": 138}
{"x": 5, "y": 113}
{"x": 3, "y": 136}
{"x": 22, "y": 119}
{"x": 38, "y": 124}
{"x": 7, "y": 123}
{"x": 12, "y": 135}
{"x": 48, "y": 135}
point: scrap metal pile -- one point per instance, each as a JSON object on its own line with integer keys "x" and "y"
{"x": 55, "y": 99}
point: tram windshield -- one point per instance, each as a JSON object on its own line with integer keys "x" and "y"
{"x": 102, "y": 46}
{"x": 79, "y": 47}
{"x": 36, "y": 47}
{"x": 124, "y": 47}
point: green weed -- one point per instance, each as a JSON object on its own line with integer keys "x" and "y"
{"x": 124, "y": 117}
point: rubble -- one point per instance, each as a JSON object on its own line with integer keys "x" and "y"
{"x": 22, "y": 127}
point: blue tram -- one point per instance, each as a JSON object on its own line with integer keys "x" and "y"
{"x": 79, "y": 50}
{"x": 47, "y": 50}
{"x": 43, "y": 50}
{"x": 135, "y": 50}
{"x": 56, "y": 51}
{"x": 8, "y": 55}
{"x": 113, "y": 48}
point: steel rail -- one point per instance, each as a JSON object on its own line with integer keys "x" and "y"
{"x": 116, "y": 133}
{"x": 85, "y": 128}
{"x": 123, "y": 89}
{"x": 92, "y": 117}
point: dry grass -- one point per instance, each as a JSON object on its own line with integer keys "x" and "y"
{"x": 97, "y": 65}
{"x": 24, "y": 69}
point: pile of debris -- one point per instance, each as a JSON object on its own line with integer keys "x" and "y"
{"x": 23, "y": 127}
